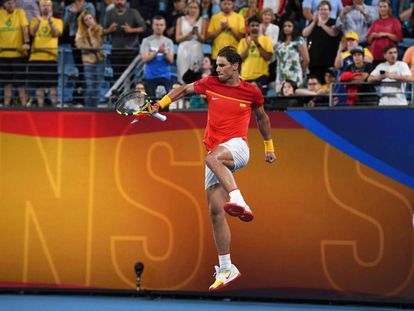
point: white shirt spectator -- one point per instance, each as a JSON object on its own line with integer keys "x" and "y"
{"x": 392, "y": 94}
{"x": 355, "y": 21}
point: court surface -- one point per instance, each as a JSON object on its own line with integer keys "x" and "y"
{"x": 11, "y": 302}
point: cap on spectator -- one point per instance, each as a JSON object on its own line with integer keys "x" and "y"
{"x": 331, "y": 71}
{"x": 357, "y": 49}
{"x": 352, "y": 35}
{"x": 44, "y": 1}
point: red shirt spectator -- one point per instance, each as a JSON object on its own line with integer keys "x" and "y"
{"x": 384, "y": 31}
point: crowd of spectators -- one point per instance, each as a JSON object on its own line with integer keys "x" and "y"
{"x": 288, "y": 47}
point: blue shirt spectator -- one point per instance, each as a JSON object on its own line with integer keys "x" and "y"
{"x": 157, "y": 52}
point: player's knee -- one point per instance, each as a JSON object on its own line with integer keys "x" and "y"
{"x": 216, "y": 214}
{"x": 211, "y": 159}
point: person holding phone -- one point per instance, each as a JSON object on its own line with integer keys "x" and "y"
{"x": 357, "y": 18}
{"x": 392, "y": 74}
{"x": 190, "y": 33}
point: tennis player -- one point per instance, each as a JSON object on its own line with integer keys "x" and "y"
{"x": 230, "y": 102}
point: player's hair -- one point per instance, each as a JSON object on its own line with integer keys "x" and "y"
{"x": 230, "y": 53}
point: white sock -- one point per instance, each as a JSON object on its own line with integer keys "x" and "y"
{"x": 225, "y": 262}
{"x": 236, "y": 197}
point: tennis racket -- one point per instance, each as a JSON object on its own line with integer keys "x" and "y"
{"x": 136, "y": 104}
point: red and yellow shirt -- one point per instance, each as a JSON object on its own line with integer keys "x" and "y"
{"x": 229, "y": 109}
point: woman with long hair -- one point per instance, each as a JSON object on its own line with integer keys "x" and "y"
{"x": 189, "y": 34}
{"x": 89, "y": 38}
{"x": 384, "y": 31}
{"x": 291, "y": 55}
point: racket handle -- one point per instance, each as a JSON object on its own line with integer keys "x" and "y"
{"x": 159, "y": 116}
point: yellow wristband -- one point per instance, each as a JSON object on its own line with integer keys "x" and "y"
{"x": 269, "y": 146}
{"x": 164, "y": 102}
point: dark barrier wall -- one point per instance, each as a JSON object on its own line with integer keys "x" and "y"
{"x": 85, "y": 195}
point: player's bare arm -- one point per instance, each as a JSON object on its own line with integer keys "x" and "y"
{"x": 174, "y": 95}
{"x": 263, "y": 123}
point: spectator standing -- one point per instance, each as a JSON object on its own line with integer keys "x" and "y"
{"x": 255, "y": 51}
{"x": 394, "y": 71}
{"x": 70, "y": 27}
{"x": 89, "y": 38}
{"x": 358, "y": 71}
{"x": 267, "y": 27}
{"x": 323, "y": 40}
{"x": 124, "y": 25}
{"x": 45, "y": 30}
{"x": 189, "y": 35}
{"x": 157, "y": 52}
{"x": 70, "y": 18}
{"x": 226, "y": 28}
{"x": 384, "y": 31}
{"x": 14, "y": 39}
{"x": 277, "y": 6}
{"x": 292, "y": 55}
{"x": 271, "y": 30}
{"x": 309, "y": 8}
{"x": 357, "y": 18}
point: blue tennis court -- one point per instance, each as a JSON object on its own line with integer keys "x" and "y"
{"x": 68, "y": 303}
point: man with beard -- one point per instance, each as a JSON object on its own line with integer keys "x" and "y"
{"x": 14, "y": 43}
{"x": 230, "y": 103}
{"x": 255, "y": 51}
{"x": 43, "y": 69}
{"x": 392, "y": 74}
{"x": 124, "y": 25}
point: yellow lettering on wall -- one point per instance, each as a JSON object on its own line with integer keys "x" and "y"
{"x": 31, "y": 218}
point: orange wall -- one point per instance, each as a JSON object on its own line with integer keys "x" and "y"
{"x": 82, "y": 211}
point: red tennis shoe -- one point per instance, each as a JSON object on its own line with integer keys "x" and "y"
{"x": 236, "y": 210}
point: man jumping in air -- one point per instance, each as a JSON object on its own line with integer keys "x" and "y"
{"x": 230, "y": 102}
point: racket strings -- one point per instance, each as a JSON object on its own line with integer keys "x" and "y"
{"x": 134, "y": 104}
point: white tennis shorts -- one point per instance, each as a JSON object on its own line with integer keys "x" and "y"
{"x": 240, "y": 152}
